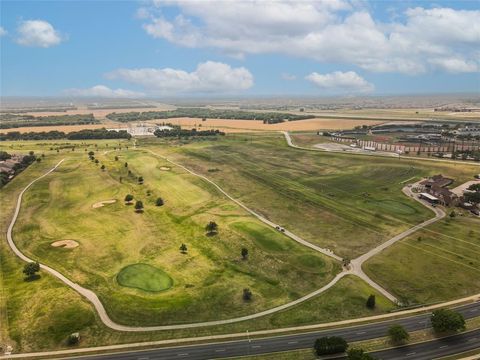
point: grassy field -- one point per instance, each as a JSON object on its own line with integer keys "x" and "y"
{"x": 208, "y": 280}
{"x": 144, "y": 277}
{"x": 261, "y": 171}
{"x": 346, "y": 203}
{"x": 438, "y": 263}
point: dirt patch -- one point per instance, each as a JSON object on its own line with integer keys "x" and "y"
{"x": 103, "y": 203}
{"x": 66, "y": 244}
{"x": 165, "y": 168}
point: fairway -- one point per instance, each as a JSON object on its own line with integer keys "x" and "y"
{"x": 144, "y": 277}
{"x": 132, "y": 261}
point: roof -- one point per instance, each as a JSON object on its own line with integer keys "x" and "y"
{"x": 428, "y": 196}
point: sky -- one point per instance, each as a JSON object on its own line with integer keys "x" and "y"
{"x": 166, "y": 48}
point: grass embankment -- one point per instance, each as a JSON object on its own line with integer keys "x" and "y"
{"x": 346, "y": 203}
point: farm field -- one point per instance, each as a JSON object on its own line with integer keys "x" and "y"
{"x": 438, "y": 263}
{"x": 324, "y": 198}
{"x": 210, "y": 277}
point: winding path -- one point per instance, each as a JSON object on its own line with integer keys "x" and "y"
{"x": 356, "y": 264}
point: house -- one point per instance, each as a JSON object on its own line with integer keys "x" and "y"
{"x": 438, "y": 180}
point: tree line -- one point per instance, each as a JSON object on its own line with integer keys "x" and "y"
{"x": 202, "y": 113}
{"x": 9, "y": 120}
{"x": 76, "y": 135}
{"x": 177, "y": 132}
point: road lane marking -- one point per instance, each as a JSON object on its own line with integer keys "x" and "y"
{"x": 255, "y": 346}
{"x": 361, "y": 332}
{"x": 411, "y": 354}
{"x": 183, "y": 354}
{"x": 472, "y": 339}
{"x": 293, "y": 342}
{"x": 219, "y": 350}
{"x": 443, "y": 347}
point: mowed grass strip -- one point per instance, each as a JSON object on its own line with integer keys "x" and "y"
{"x": 144, "y": 277}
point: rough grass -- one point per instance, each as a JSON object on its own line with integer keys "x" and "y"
{"x": 144, "y": 277}
{"x": 439, "y": 263}
{"x": 346, "y": 203}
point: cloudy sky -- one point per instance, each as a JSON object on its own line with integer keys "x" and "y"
{"x": 238, "y": 48}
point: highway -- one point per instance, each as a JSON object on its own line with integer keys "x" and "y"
{"x": 428, "y": 350}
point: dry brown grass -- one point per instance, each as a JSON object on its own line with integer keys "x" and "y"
{"x": 64, "y": 128}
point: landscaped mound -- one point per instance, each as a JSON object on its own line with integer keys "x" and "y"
{"x": 144, "y": 277}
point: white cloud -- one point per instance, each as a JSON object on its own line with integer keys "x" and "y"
{"x": 2, "y": 31}
{"x": 341, "y": 82}
{"x": 208, "y": 77}
{"x": 104, "y": 92}
{"x": 326, "y": 31}
{"x": 37, "y": 33}
{"x": 288, "y": 77}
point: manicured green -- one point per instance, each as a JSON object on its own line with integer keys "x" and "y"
{"x": 144, "y": 277}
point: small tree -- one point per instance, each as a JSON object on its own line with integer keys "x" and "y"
{"x": 126, "y": 165}
{"x": 453, "y": 214}
{"x": 212, "y": 228}
{"x": 445, "y": 320}
{"x": 244, "y": 253}
{"x": 116, "y": 158}
{"x": 140, "y": 179}
{"x": 159, "y": 202}
{"x": 73, "y": 339}
{"x": 371, "y": 302}
{"x": 247, "y": 294}
{"x": 30, "y": 270}
{"x": 330, "y": 345}
{"x": 128, "y": 198}
{"x": 398, "y": 334}
{"x": 358, "y": 354}
{"x": 102, "y": 167}
{"x": 96, "y": 161}
{"x": 139, "y": 206}
{"x": 183, "y": 249}
{"x": 91, "y": 153}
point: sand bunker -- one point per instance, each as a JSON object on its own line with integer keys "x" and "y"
{"x": 165, "y": 168}
{"x": 103, "y": 203}
{"x": 67, "y": 244}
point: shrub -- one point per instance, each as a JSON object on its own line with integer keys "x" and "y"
{"x": 330, "y": 345}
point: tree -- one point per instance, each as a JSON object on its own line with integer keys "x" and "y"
{"x": 211, "y": 227}
{"x": 371, "y": 302}
{"x": 159, "y": 202}
{"x": 358, "y": 354}
{"x": 96, "y": 161}
{"x": 116, "y": 158}
{"x": 247, "y": 294}
{"x": 128, "y": 198}
{"x": 73, "y": 339}
{"x": 139, "y": 206}
{"x": 30, "y": 269}
{"x": 445, "y": 320}
{"x": 91, "y": 153}
{"x": 183, "y": 248}
{"x": 453, "y": 214}
{"x": 330, "y": 345}
{"x": 140, "y": 179}
{"x": 398, "y": 334}
{"x": 244, "y": 253}
{"x": 102, "y": 167}
{"x": 126, "y": 165}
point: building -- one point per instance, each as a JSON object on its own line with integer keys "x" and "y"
{"x": 435, "y": 190}
{"x": 467, "y": 130}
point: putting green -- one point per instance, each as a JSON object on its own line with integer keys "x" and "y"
{"x": 144, "y": 277}
{"x": 396, "y": 207}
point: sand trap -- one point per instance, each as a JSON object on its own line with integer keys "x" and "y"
{"x": 103, "y": 203}
{"x": 165, "y": 168}
{"x": 67, "y": 244}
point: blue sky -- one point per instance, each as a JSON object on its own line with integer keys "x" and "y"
{"x": 152, "y": 48}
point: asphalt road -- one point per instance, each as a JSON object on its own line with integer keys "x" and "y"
{"x": 428, "y": 350}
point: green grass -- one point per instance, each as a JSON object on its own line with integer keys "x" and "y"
{"x": 144, "y": 277}
{"x": 209, "y": 279}
{"x": 441, "y": 262}
{"x": 322, "y": 197}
